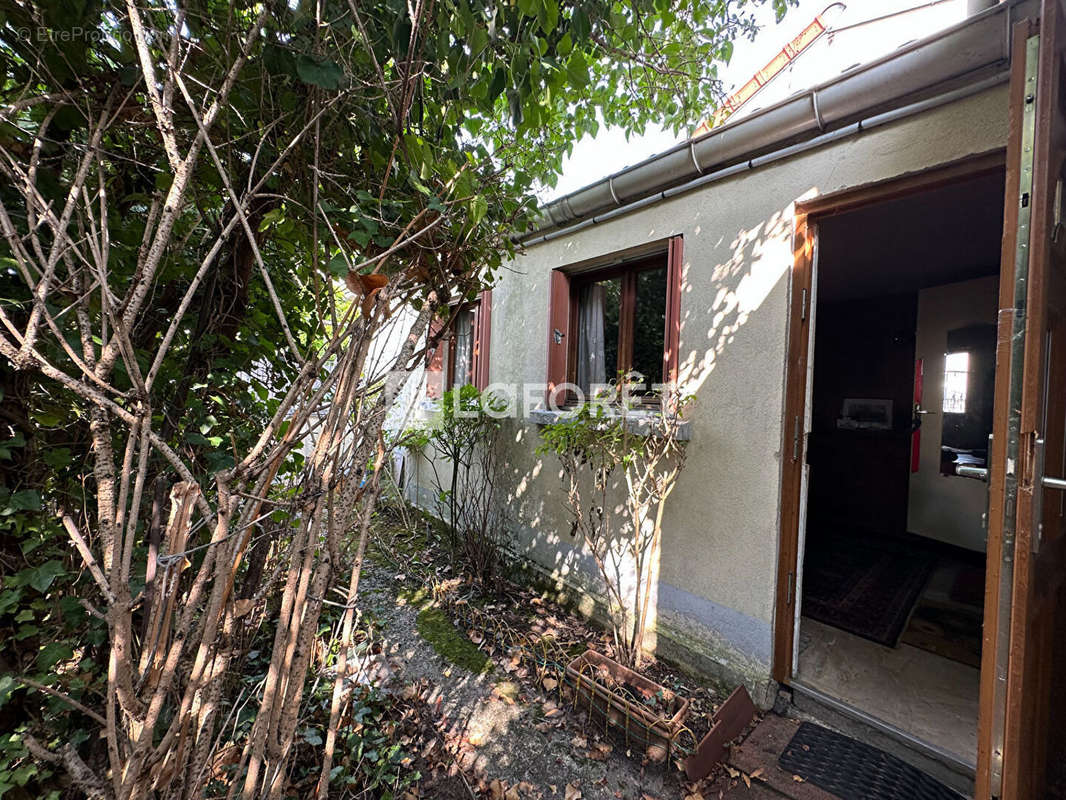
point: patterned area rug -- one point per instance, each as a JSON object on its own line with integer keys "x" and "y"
{"x": 952, "y": 632}
{"x": 863, "y": 587}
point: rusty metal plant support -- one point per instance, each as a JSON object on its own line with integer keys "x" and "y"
{"x": 635, "y": 720}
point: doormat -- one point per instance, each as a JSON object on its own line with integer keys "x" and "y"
{"x": 864, "y": 588}
{"x": 853, "y": 770}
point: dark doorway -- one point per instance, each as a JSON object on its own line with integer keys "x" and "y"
{"x": 892, "y": 551}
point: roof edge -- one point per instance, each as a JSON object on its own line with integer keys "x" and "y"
{"x": 968, "y": 48}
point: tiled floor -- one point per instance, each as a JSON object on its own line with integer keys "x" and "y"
{"x": 926, "y": 695}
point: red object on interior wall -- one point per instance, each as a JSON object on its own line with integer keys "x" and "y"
{"x": 916, "y": 436}
{"x": 558, "y": 330}
{"x": 482, "y": 336}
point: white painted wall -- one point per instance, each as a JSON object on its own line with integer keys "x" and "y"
{"x": 719, "y": 553}
{"x": 946, "y": 507}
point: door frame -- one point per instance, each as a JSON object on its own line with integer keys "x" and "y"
{"x": 802, "y": 302}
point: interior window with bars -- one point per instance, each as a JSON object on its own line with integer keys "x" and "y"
{"x": 956, "y": 382}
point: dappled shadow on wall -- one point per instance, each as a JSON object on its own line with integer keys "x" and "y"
{"x": 726, "y": 283}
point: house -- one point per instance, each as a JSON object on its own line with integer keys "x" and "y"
{"x": 860, "y": 283}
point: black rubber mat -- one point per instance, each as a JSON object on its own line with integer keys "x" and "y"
{"x": 853, "y": 770}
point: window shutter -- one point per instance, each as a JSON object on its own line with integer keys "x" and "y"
{"x": 482, "y": 335}
{"x": 672, "y": 339}
{"x": 435, "y": 359}
{"x": 558, "y": 329}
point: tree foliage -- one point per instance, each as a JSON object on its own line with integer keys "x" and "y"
{"x": 208, "y": 211}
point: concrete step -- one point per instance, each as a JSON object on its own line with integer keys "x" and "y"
{"x": 804, "y": 703}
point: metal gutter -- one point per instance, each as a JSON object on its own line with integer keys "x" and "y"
{"x": 979, "y": 43}
{"x": 778, "y": 155}
{"x": 793, "y": 49}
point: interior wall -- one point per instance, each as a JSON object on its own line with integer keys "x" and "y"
{"x": 858, "y": 478}
{"x": 946, "y": 507}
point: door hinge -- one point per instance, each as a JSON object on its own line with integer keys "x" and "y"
{"x": 803, "y": 304}
{"x": 788, "y": 589}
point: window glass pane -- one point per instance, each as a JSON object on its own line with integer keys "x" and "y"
{"x": 649, "y": 325}
{"x": 598, "y": 316}
{"x": 956, "y": 381}
{"x": 464, "y": 347}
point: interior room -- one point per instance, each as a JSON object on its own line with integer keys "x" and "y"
{"x": 893, "y": 559}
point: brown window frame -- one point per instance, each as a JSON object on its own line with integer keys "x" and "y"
{"x": 453, "y": 338}
{"x": 627, "y": 310}
{"x": 564, "y": 289}
{"x": 441, "y": 358}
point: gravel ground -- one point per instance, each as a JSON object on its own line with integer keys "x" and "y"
{"x": 506, "y": 733}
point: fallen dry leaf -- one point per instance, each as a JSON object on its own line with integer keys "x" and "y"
{"x": 549, "y": 684}
{"x": 496, "y": 789}
{"x": 551, "y": 711}
{"x": 798, "y": 779}
{"x": 732, "y": 772}
{"x": 571, "y": 792}
{"x": 656, "y": 753}
{"x": 599, "y": 751}
{"x": 757, "y": 773}
{"x": 747, "y": 780}
{"x": 694, "y": 796}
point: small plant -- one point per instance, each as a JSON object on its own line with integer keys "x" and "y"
{"x": 464, "y": 461}
{"x": 601, "y": 449}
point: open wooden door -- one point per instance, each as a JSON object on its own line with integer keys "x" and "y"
{"x": 1022, "y": 729}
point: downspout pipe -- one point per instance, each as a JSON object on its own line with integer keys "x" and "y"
{"x": 869, "y": 123}
{"x": 979, "y": 43}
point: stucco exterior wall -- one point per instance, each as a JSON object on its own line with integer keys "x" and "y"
{"x": 718, "y": 557}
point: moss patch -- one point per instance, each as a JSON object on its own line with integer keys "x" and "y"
{"x": 413, "y": 597}
{"x": 435, "y": 627}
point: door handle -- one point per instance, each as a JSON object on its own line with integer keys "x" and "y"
{"x": 981, "y": 474}
{"x": 967, "y": 471}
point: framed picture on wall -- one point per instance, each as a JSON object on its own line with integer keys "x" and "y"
{"x": 866, "y": 413}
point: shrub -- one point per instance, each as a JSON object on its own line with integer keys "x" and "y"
{"x": 599, "y": 449}
{"x": 464, "y": 463}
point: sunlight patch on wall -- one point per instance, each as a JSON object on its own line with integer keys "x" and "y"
{"x": 761, "y": 258}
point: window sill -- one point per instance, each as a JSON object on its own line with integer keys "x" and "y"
{"x": 641, "y": 423}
